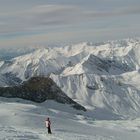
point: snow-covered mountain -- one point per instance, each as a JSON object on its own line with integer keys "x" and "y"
{"x": 102, "y": 77}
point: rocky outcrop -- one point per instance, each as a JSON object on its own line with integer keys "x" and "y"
{"x": 39, "y": 89}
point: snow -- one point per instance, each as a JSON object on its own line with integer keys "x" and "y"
{"x": 54, "y": 60}
{"x": 103, "y": 77}
{"x": 118, "y": 95}
{"x": 24, "y": 120}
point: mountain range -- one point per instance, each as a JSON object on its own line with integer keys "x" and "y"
{"x": 103, "y": 77}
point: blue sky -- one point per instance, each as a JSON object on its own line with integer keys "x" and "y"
{"x": 29, "y": 22}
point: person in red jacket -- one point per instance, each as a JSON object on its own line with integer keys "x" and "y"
{"x": 48, "y": 125}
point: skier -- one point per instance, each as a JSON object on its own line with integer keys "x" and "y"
{"x": 48, "y": 125}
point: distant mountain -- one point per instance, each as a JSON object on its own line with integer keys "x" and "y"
{"x": 11, "y": 52}
{"x": 103, "y": 77}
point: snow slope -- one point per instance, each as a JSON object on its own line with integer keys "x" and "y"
{"x": 104, "y": 93}
{"x": 24, "y": 120}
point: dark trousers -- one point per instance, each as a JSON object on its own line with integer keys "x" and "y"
{"x": 49, "y": 130}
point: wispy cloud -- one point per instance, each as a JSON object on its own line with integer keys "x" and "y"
{"x": 113, "y": 13}
{"x": 39, "y": 16}
{"x": 70, "y": 17}
{"x": 56, "y": 15}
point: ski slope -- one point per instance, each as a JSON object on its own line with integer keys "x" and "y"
{"x": 24, "y": 120}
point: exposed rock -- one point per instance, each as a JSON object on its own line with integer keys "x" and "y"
{"x": 39, "y": 89}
